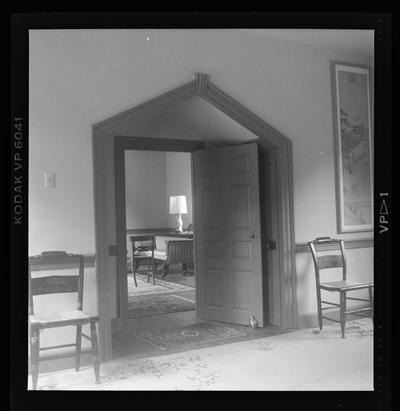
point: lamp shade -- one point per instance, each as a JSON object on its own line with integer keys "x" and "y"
{"x": 177, "y": 205}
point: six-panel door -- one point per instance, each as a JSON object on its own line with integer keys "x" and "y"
{"x": 228, "y": 243}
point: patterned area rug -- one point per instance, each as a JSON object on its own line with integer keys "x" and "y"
{"x": 191, "y": 334}
{"x": 162, "y": 287}
{"x": 153, "y": 304}
{"x": 174, "y": 274}
{"x": 354, "y": 329}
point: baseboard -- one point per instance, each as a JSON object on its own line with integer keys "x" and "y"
{"x": 310, "y": 320}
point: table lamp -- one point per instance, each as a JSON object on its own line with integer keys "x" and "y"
{"x": 177, "y": 205}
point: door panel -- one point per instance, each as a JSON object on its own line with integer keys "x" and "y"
{"x": 228, "y": 237}
{"x": 214, "y": 289}
{"x": 213, "y": 208}
{"x": 239, "y": 165}
{"x": 242, "y": 285}
{"x": 240, "y": 206}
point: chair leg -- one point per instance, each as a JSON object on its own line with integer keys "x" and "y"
{"x": 342, "y": 311}
{"x": 134, "y": 271}
{"x": 371, "y": 301}
{"x": 78, "y": 347}
{"x": 35, "y": 342}
{"x": 319, "y": 308}
{"x": 95, "y": 351}
{"x": 153, "y": 272}
{"x": 166, "y": 268}
{"x": 184, "y": 268}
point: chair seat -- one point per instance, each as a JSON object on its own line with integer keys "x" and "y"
{"x": 142, "y": 255}
{"x": 61, "y": 318}
{"x": 344, "y": 285}
{"x": 160, "y": 255}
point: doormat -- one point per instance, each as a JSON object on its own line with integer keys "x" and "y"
{"x": 152, "y": 304}
{"x": 190, "y": 334}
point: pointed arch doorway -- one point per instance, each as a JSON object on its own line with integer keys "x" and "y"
{"x": 278, "y": 166}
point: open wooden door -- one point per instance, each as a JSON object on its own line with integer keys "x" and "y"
{"x": 228, "y": 234}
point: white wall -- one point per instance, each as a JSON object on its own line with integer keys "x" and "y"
{"x": 179, "y": 182}
{"x": 285, "y": 83}
{"x": 145, "y": 189}
{"x": 80, "y": 77}
{"x": 151, "y": 177}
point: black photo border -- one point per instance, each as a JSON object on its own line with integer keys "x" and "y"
{"x": 21, "y": 20}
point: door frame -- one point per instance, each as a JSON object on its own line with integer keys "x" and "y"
{"x": 121, "y": 144}
{"x": 280, "y": 150}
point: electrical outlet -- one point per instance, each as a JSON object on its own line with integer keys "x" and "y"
{"x": 49, "y": 179}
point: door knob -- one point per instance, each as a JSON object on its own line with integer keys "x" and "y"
{"x": 251, "y": 235}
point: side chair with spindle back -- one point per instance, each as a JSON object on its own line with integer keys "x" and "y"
{"x": 323, "y": 261}
{"x": 53, "y": 283}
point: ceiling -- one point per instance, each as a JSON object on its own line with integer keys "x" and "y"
{"x": 357, "y": 42}
{"x": 201, "y": 120}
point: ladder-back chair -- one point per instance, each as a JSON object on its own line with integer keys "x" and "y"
{"x": 53, "y": 261}
{"x": 323, "y": 261}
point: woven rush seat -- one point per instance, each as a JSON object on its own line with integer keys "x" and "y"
{"x": 56, "y": 319}
{"x": 344, "y": 285}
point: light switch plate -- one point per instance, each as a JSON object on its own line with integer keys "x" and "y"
{"x": 49, "y": 179}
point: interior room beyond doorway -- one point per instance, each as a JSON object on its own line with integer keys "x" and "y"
{"x": 153, "y": 180}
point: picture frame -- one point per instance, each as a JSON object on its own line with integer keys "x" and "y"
{"x": 351, "y": 95}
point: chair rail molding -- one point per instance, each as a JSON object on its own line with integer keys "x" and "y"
{"x": 349, "y": 244}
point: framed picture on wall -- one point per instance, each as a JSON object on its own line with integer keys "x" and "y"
{"x": 353, "y": 147}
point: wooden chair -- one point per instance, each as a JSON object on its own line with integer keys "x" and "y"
{"x": 343, "y": 286}
{"x": 52, "y": 284}
{"x": 143, "y": 251}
